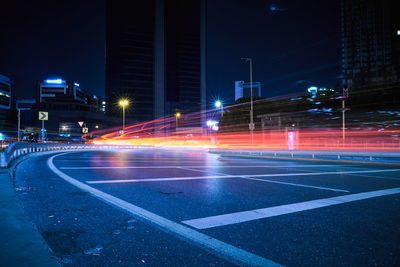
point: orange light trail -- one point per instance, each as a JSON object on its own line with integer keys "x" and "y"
{"x": 163, "y": 133}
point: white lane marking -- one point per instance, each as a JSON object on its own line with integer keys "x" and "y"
{"x": 277, "y": 182}
{"x": 221, "y": 249}
{"x": 194, "y": 170}
{"x": 225, "y": 176}
{"x": 124, "y": 160}
{"x": 195, "y": 166}
{"x": 207, "y": 177}
{"x": 157, "y": 179}
{"x": 376, "y": 177}
{"x": 245, "y": 216}
{"x": 300, "y": 185}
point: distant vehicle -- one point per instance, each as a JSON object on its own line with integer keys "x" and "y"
{"x": 31, "y": 134}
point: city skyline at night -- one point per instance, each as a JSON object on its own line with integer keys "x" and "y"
{"x": 280, "y": 41}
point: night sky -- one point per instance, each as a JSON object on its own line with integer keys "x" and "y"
{"x": 292, "y": 47}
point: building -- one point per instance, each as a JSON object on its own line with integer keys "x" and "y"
{"x": 96, "y": 103}
{"x": 317, "y": 92}
{"x": 25, "y": 104}
{"x": 370, "y": 43}
{"x": 155, "y": 57}
{"x": 242, "y": 89}
{"x": 58, "y": 92}
{"x": 5, "y": 98}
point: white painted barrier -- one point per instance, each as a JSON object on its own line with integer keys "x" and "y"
{"x": 16, "y": 150}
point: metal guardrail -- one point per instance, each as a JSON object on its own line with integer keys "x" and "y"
{"x": 19, "y": 149}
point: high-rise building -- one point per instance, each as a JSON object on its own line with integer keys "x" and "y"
{"x": 155, "y": 57}
{"x": 5, "y": 98}
{"x": 370, "y": 43}
{"x": 242, "y": 89}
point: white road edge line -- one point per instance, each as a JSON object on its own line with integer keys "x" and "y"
{"x": 221, "y": 249}
{"x": 245, "y": 216}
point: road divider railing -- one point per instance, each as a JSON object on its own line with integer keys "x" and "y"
{"x": 18, "y": 149}
{"x": 392, "y": 157}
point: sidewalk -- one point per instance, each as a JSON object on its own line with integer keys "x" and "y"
{"x": 20, "y": 242}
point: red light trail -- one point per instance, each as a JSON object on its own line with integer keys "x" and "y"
{"x": 164, "y": 133}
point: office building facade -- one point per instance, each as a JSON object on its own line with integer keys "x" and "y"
{"x": 5, "y": 98}
{"x": 155, "y": 57}
{"x": 59, "y": 94}
{"x": 59, "y": 90}
{"x": 243, "y": 88}
{"x": 370, "y": 43}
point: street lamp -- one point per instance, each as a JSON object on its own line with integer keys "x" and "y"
{"x": 250, "y": 60}
{"x": 251, "y": 124}
{"x": 123, "y": 103}
{"x": 177, "y": 115}
{"x": 344, "y": 97}
{"x": 218, "y": 104}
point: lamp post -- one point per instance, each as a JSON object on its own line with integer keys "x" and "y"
{"x": 177, "y": 115}
{"x": 251, "y": 124}
{"x": 123, "y": 103}
{"x": 19, "y": 122}
{"x": 344, "y": 97}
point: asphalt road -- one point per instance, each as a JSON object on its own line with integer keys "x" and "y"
{"x": 160, "y": 207}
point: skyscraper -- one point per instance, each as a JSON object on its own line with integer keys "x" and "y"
{"x": 155, "y": 56}
{"x": 5, "y": 98}
{"x": 370, "y": 43}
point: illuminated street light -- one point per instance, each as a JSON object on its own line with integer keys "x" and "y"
{"x": 123, "y": 103}
{"x": 97, "y": 126}
{"x": 177, "y": 115}
{"x": 218, "y": 104}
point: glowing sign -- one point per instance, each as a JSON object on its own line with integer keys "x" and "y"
{"x": 54, "y": 81}
{"x": 211, "y": 123}
{"x": 76, "y": 84}
{"x": 312, "y": 89}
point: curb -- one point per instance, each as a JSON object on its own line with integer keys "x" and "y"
{"x": 337, "y": 156}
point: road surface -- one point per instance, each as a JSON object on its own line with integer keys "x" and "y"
{"x": 174, "y": 207}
